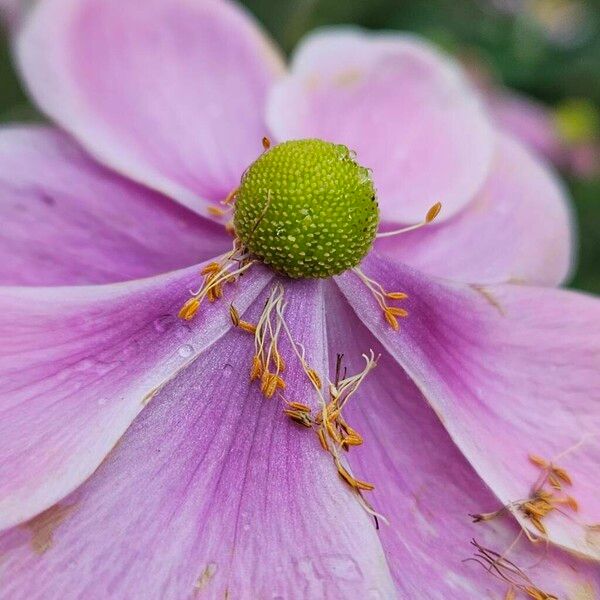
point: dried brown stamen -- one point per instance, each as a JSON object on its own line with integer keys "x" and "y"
{"x": 507, "y": 571}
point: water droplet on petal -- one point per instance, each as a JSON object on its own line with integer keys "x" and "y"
{"x": 185, "y": 351}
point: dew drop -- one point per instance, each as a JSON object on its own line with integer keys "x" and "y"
{"x": 342, "y": 151}
{"x": 185, "y": 350}
{"x": 227, "y": 370}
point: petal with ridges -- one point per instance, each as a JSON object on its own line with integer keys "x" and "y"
{"x": 78, "y": 364}
{"x": 511, "y": 371}
{"x": 518, "y": 228}
{"x": 408, "y": 112}
{"x": 213, "y": 491}
{"x": 168, "y": 92}
{"x": 66, "y": 220}
{"x": 426, "y": 489}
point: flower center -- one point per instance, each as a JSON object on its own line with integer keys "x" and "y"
{"x": 307, "y": 209}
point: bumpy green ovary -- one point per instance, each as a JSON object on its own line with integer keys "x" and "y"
{"x": 307, "y": 209}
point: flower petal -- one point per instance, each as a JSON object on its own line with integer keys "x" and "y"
{"x": 518, "y": 228}
{"x": 408, "y": 112}
{"x": 426, "y": 489}
{"x": 78, "y": 364}
{"x": 529, "y": 121}
{"x": 212, "y": 491}
{"x": 168, "y": 92}
{"x": 67, "y": 220}
{"x": 511, "y": 371}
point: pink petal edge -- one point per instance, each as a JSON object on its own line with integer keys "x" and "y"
{"x": 78, "y": 364}
{"x": 168, "y": 92}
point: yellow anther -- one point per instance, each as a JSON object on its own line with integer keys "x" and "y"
{"x": 257, "y": 368}
{"x": 278, "y": 360}
{"x": 235, "y": 316}
{"x": 299, "y": 406}
{"x": 538, "y": 594}
{"x": 189, "y": 309}
{"x": 352, "y": 439}
{"x": 211, "y": 268}
{"x": 554, "y": 481}
{"x": 391, "y": 319}
{"x": 397, "y": 312}
{"x": 314, "y": 377}
{"x": 381, "y": 296}
{"x": 332, "y": 431}
{"x": 538, "y": 461}
{"x": 230, "y": 197}
{"x": 537, "y": 523}
{"x": 249, "y": 327}
{"x": 562, "y": 474}
{"x": 217, "y": 211}
{"x": 323, "y": 439}
{"x": 352, "y": 481}
{"x": 299, "y": 416}
{"x": 215, "y": 275}
{"x": 541, "y": 502}
{"x": 269, "y": 384}
{"x": 571, "y": 503}
{"x": 433, "y": 212}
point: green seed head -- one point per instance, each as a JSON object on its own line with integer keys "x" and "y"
{"x": 307, "y": 209}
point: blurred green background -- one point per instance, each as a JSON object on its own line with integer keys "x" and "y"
{"x": 547, "y": 49}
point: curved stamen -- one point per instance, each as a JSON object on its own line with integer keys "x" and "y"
{"x": 432, "y": 213}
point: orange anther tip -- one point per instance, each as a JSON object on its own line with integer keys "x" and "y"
{"x": 433, "y": 212}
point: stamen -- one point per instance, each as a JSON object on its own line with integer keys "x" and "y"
{"x": 227, "y": 205}
{"x": 216, "y": 275}
{"x": 267, "y": 362}
{"x": 432, "y": 213}
{"x": 541, "y": 501}
{"x": 217, "y": 211}
{"x": 266, "y": 143}
{"x": 332, "y": 430}
{"x": 390, "y": 313}
{"x": 507, "y": 571}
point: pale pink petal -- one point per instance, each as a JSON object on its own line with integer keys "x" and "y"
{"x": 407, "y": 111}
{"x": 528, "y": 121}
{"x": 518, "y": 228}
{"x": 67, "y": 220}
{"x": 213, "y": 492}
{"x": 77, "y": 364}
{"x": 511, "y": 371}
{"x": 426, "y": 489}
{"x": 168, "y": 92}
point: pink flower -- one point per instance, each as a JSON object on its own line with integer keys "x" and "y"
{"x": 138, "y": 459}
